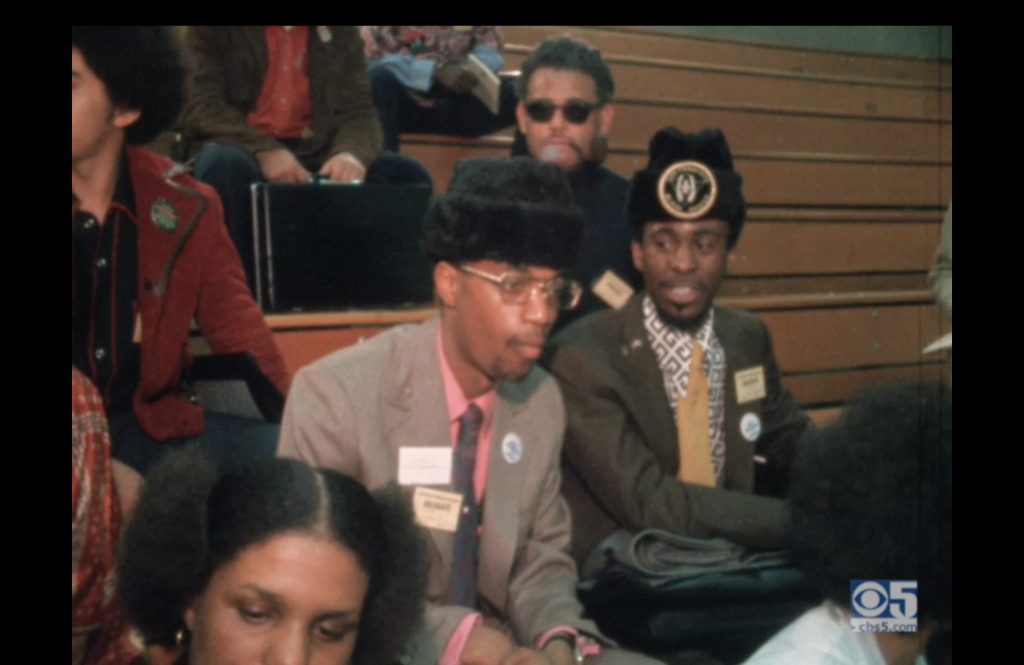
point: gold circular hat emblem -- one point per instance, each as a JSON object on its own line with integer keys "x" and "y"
{"x": 687, "y": 190}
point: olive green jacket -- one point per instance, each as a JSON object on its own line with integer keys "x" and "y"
{"x": 226, "y": 71}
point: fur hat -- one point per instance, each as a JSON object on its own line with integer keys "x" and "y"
{"x": 516, "y": 210}
{"x": 689, "y": 177}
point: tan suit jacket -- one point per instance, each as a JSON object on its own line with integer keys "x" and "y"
{"x": 353, "y": 410}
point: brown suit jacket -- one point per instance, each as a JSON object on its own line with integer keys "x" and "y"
{"x": 227, "y": 68}
{"x": 354, "y": 409}
{"x": 621, "y": 450}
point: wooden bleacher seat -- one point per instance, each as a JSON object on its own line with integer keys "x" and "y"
{"x": 847, "y": 166}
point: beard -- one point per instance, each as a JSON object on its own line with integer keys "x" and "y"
{"x": 686, "y": 324}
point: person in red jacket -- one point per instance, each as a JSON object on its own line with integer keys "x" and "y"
{"x": 150, "y": 254}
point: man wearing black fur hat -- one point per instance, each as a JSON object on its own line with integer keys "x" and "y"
{"x": 455, "y": 411}
{"x": 676, "y": 414}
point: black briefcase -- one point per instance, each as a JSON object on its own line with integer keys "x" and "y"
{"x": 325, "y": 246}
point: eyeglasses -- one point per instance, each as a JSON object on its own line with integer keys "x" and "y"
{"x": 575, "y": 111}
{"x": 518, "y": 289}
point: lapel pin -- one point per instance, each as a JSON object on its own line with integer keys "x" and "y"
{"x": 164, "y": 215}
{"x": 750, "y": 426}
{"x": 512, "y": 448}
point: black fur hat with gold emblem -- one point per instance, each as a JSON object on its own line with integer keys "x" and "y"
{"x": 516, "y": 210}
{"x": 689, "y": 177}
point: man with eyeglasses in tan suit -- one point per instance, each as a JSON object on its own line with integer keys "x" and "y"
{"x": 565, "y": 112}
{"x": 455, "y": 412}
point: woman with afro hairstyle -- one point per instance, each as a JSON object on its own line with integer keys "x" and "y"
{"x": 274, "y": 562}
{"x": 872, "y": 499}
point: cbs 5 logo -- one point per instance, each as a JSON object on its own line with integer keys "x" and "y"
{"x": 890, "y": 598}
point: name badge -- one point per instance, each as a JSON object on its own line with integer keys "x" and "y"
{"x": 436, "y": 509}
{"x": 612, "y": 289}
{"x": 750, "y": 384}
{"x": 424, "y": 466}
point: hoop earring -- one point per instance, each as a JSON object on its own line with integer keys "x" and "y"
{"x": 179, "y": 638}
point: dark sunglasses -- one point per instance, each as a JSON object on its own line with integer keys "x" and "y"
{"x": 575, "y": 111}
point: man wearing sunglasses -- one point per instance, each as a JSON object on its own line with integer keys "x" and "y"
{"x": 677, "y": 419}
{"x": 564, "y": 114}
{"x": 455, "y": 412}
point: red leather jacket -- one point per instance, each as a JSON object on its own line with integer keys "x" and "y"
{"x": 190, "y": 272}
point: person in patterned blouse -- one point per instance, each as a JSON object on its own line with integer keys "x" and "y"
{"x": 99, "y": 633}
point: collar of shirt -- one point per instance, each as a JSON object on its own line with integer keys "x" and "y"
{"x": 456, "y": 403}
{"x": 284, "y": 107}
{"x": 124, "y": 195}
{"x": 665, "y": 337}
{"x": 104, "y": 285}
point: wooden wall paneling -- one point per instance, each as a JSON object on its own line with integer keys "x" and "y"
{"x": 675, "y": 83}
{"x": 791, "y": 284}
{"x": 852, "y": 337}
{"x": 837, "y": 387}
{"x": 799, "y": 183}
{"x": 785, "y": 248}
{"x": 615, "y": 41}
{"x": 765, "y": 134}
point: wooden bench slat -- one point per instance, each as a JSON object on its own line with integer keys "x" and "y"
{"x": 745, "y": 287}
{"x": 837, "y": 387}
{"x": 849, "y": 337}
{"x": 644, "y": 83}
{"x": 300, "y": 348}
{"x": 766, "y": 182}
{"x": 631, "y": 41}
{"x": 770, "y": 248}
{"x": 766, "y": 134}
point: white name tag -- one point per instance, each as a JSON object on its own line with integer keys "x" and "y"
{"x": 424, "y": 466}
{"x": 436, "y": 509}
{"x": 750, "y": 384}
{"x": 612, "y": 289}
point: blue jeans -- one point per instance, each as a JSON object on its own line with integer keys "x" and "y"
{"x": 230, "y": 441}
{"x": 452, "y": 114}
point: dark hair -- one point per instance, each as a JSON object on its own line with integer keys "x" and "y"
{"x": 190, "y": 520}
{"x": 872, "y": 496}
{"x": 142, "y": 68}
{"x": 567, "y": 52}
{"x": 516, "y": 209}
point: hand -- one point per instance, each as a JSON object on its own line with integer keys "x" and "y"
{"x": 559, "y": 653}
{"x": 455, "y": 77}
{"x": 343, "y": 167}
{"x": 549, "y": 656}
{"x": 158, "y": 655}
{"x": 486, "y": 646}
{"x": 128, "y": 483}
{"x": 280, "y": 166}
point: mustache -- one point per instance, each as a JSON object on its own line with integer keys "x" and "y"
{"x": 675, "y": 282}
{"x": 551, "y": 153}
{"x": 598, "y": 150}
{"x": 529, "y": 340}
